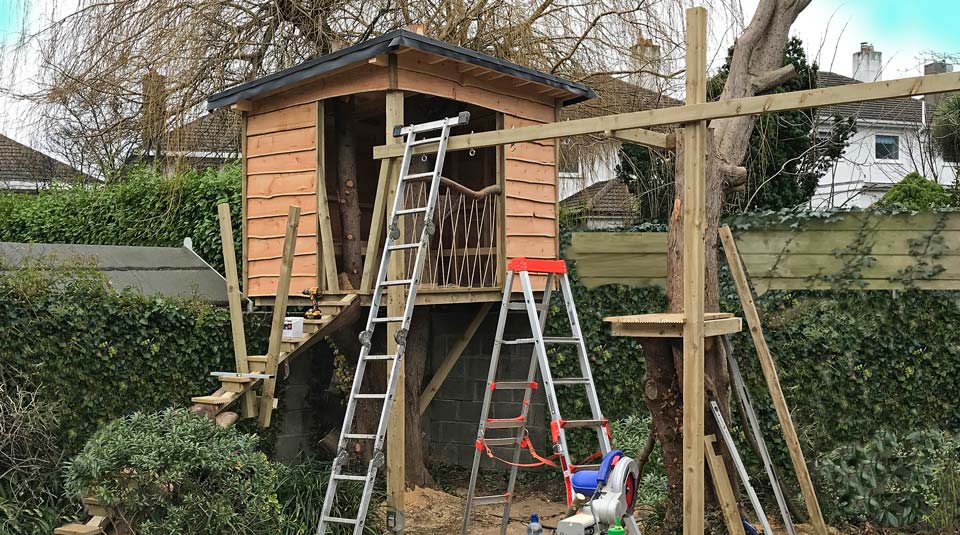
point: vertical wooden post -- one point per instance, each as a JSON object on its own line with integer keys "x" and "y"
{"x": 693, "y": 222}
{"x": 243, "y": 201}
{"x": 326, "y": 256}
{"x": 279, "y": 311}
{"x": 773, "y": 382}
{"x": 396, "y": 456}
{"x": 372, "y": 260}
{"x": 247, "y": 407}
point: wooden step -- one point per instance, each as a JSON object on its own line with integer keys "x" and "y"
{"x": 216, "y": 399}
{"x": 92, "y": 507}
{"x": 294, "y": 339}
{"x": 75, "y": 528}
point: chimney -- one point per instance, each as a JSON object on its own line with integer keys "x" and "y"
{"x": 417, "y": 27}
{"x": 867, "y": 64}
{"x": 933, "y": 101}
{"x": 646, "y": 59}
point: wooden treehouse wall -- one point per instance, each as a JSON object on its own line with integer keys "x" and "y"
{"x": 281, "y": 170}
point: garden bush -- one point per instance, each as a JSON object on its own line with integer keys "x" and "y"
{"x": 146, "y": 208}
{"x": 174, "y": 472}
{"x": 916, "y": 192}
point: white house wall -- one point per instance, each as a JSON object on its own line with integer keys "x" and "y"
{"x": 859, "y": 179}
{"x": 599, "y": 169}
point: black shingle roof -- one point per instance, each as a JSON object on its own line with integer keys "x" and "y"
{"x": 896, "y": 109}
{"x": 390, "y": 42}
{"x": 22, "y": 164}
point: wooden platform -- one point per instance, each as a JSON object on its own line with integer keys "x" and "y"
{"x": 670, "y": 325}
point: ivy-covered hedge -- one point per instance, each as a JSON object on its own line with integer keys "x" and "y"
{"x": 146, "y": 208}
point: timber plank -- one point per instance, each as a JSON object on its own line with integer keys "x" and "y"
{"x": 531, "y": 247}
{"x": 298, "y": 139}
{"x": 290, "y": 162}
{"x": 833, "y": 241}
{"x": 285, "y": 119}
{"x": 357, "y": 78}
{"x": 619, "y": 243}
{"x": 263, "y": 248}
{"x": 270, "y": 184}
{"x": 259, "y": 206}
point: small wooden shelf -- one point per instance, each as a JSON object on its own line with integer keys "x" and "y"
{"x": 670, "y": 325}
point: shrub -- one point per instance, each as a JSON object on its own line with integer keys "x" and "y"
{"x": 174, "y": 472}
{"x": 630, "y": 436}
{"x": 301, "y": 490}
{"x": 890, "y": 480}
{"x": 146, "y": 209}
{"x": 915, "y": 192}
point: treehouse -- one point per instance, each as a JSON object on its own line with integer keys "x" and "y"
{"x": 308, "y": 138}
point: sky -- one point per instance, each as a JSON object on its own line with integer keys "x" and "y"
{"x": 905, "y": 31}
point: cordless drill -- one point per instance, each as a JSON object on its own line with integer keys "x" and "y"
{"x": 314, "y": 312}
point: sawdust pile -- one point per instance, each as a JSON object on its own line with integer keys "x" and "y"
{"x": 431, "y": 511}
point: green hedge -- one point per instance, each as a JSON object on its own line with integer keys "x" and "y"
{"x": 147, "y": 208}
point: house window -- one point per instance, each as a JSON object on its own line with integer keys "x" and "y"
{"x": 888, "y": 148}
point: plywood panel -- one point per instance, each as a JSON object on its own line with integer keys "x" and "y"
{"x": 355, "y": 79}
{"x": 282, "y": 141}
{"x": 431, "y": 84}
{"x": 280, "y": 120}
{"x": 283, "y": 163}
{"x": 269, "y": 248}
{"x": 279, "y": 205}
{"x": 267, "y": 185}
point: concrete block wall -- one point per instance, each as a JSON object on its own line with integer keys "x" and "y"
{"x": 454, "y": 414}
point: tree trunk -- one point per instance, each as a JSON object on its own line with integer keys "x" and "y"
{"x": 757, "y": 66}
{"x": 351, "y": 250}
{"x": 415, "y": 363}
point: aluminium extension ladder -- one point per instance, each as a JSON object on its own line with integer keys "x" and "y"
{"x": 411, "y": 281}
{"x": 518, "y": 440}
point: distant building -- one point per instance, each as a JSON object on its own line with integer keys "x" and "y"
{"x": 210, "y": 140}
{"x": 602, "y": 205}
{"x": 892, "y": 140}
{"x": 27, "y": 170}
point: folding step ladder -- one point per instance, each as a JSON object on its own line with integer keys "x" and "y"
{"x": 410, "y": 281}
{"x": 537, "y": 312}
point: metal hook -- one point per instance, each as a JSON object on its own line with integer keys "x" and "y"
{"x": 423, "y": 158}
{"x": 472, "y": 152}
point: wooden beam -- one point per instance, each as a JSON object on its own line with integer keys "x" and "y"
{"x": 244, "y": 235}
{"x": 326, "y": 255}
{"x": 773, "y": 382}
{"x": 279, "y": 312}
{"x": 721, "y": 484}
{"x": 648, "y": 138}
{"x": 372, "y": 259}
{"x": 396, "y": 462}
{"x": 248, "y": 407}
{"x": 693, "y": 223}
{"x": 242, "y": 105}
{"x": 451, "y": 359}
{"x": 795, "y": 100}
{"x": 379, "y": 60}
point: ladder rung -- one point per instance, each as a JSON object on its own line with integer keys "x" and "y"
{"x": 338, "y": 520}
{"x": 380, "y": 357}
{"x": 571, "y": 424}
{"x": 505, "y": 423}
{"x": 490, "y": 500}
{"x": 426, "y": 141}
{"x": 571, "y": 381}
{"x": 388, "y": 319}
{"x": 560, "y": 340}
{"x": 360, "y": 436}
{"x": 408, "y": 211}
{"x": 514, "y": 385}
{"x": 398, "y": 282}
{"x": 523, "y": 306}
{"x": 370, "y": 396}
{"x": 518, "y": 341}
{"x": 505, "y": 441}
{"x": 404, "y": 246}
{"x": 418, "y": 175}
{"x": 349, "y": 477}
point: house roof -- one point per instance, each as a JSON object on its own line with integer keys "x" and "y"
{"x": 390, "y": 42}
{"x": 213, "y": 134}
{"x": 24, "y": 168}
{"x": 616, "y": 95}
{"x": 167, "y": 271}
{"x": 605, "y": 198}
{"x": 895, "y": 109}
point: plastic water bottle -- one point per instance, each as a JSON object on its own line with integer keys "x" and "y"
{"x": 534, "y": 527}
{"x": 616, "y": 529}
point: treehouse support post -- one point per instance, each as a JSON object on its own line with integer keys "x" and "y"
{"x": 326, "y": 259}
{"x": 248, "y": 408}
{"x": 396, "y": 456}
{"x": 693, "y": 221}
